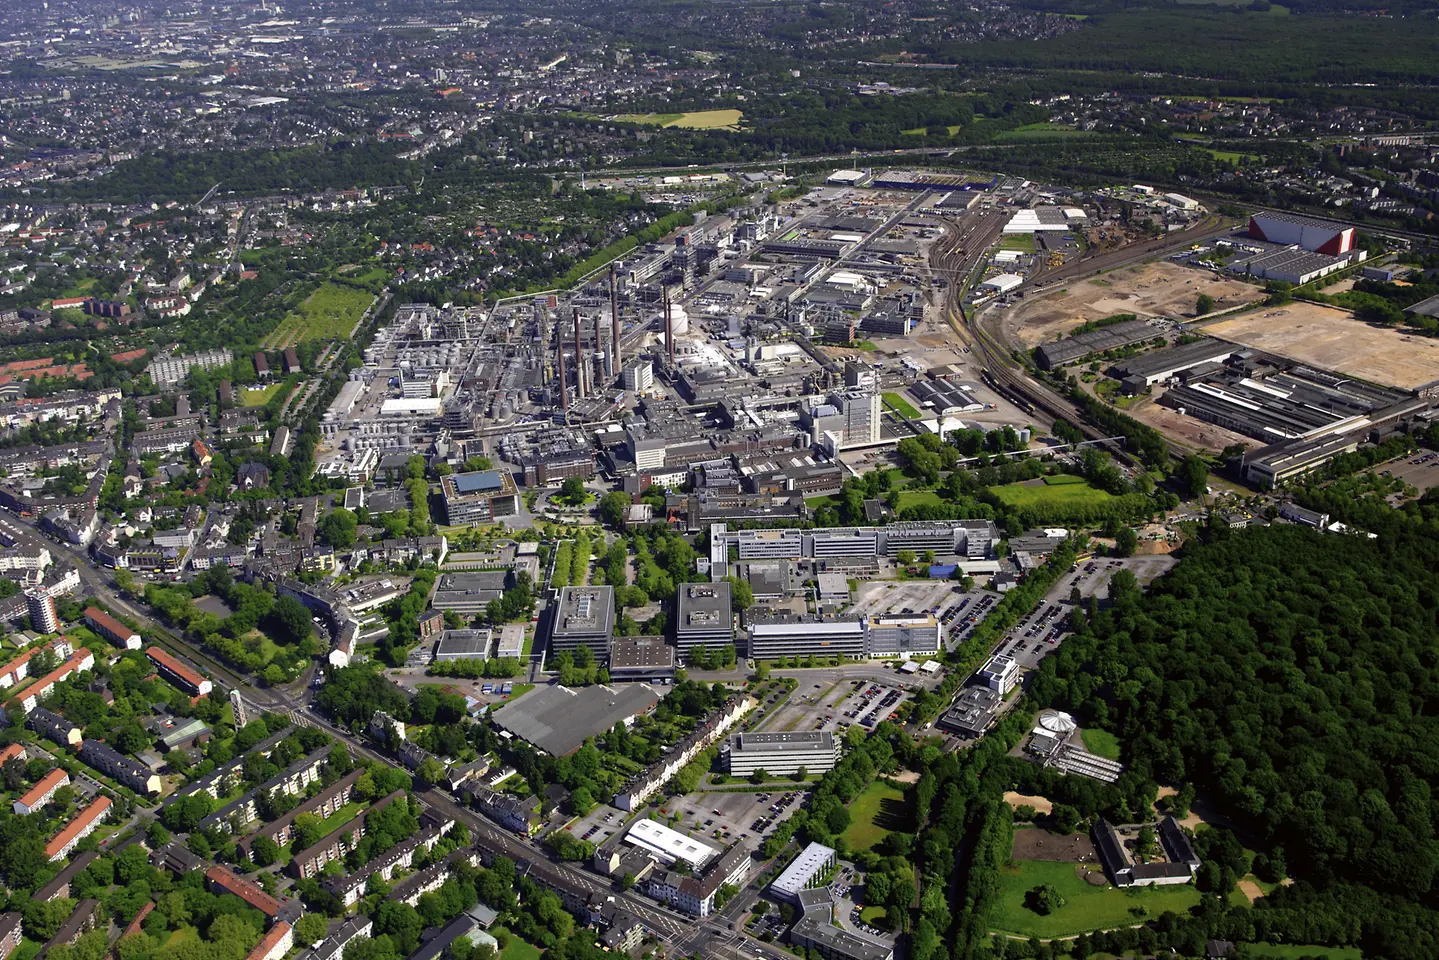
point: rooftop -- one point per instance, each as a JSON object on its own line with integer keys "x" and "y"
{"x": 799, "y": 742}
{"x": 558, "y": 719}
{"x": 670, "y": 845}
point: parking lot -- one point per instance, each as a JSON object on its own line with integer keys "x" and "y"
{"x": 1420, "y": 471}
{"x": 599, "y": 824}
{"x": 868, "y": 705}
{"x": 964, "y": 613}
{"x": 725, "y": 816}
{"x": 903, "y": 597}
{"x": 825, "y": 695}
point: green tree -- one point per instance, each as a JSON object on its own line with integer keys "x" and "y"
{"x": 291, "y": 620}
{"x": 310, "y": 929}
{"x": 1125, "y": 542}
{"x": 572, "y": 491}
{"x": 1204, "y": 304}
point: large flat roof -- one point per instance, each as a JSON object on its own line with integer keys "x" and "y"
{"x": 585, "y": 612}
{"x": 558, "y": 719}
{"x": 481, "y": 481}
{"x": 811, "y": 860}
{"x": 804, "y": 741}
{"x": 671, "y": 845}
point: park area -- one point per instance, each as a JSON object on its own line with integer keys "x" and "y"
{"x": 1332, "y": 339}
{"x": 1087, "y": 906}
{"x": 880, "y": 809}
{"x": 1149, "y": 290}
{"x": 697, "y": 120}
{"x": 330, "y": 313}
{"x": 1062, "y": 489}
{"x": 259, "y": 396}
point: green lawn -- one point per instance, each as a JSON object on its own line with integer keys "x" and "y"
{"x": 1060, "y": 479}
{"x": 814, "y": 503}
{"x": 1293, "y": 951}
{"x": 1101, "y": 743}
{"x": 1085, "y": 907}
{"x": 1041, "y": 131}
{"x": 330, "y": 313}
{"x": 517, "y": 949}
{"x": 869, "y": 915}
{"x": 183, "y": 935}
{"x": 259, "y": 396}
{"x": 342, "y": 816}
{"x": 1062, "y": 494}
{"x": 899, "y": 405}
{"x": 919, "y": 498}
{"x": 874, "y": 813}
{"x": 1023, "y": 242}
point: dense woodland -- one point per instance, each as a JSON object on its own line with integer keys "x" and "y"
{"x": 1293, "y": 676}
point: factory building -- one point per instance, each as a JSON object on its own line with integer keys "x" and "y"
{"x": 1318, "y": 236}
{"x": 1161, "y": 365}
{"x": 781, "y": 754}
{"x": 1057, "y": 353}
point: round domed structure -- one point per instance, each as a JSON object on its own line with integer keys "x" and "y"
{"x": 1057, "y": 722}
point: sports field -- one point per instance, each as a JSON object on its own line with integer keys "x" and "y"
{"x": 697, "y": 120}
{"x": 880, "y": 808}
{"x": 1086, "y": 907}
{"x": 330, "y": 313}
{"x": 1063, "y": 489}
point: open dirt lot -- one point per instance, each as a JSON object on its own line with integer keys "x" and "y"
{"x": 1330, "y": 338}
{"x": 1035, "y": 843}
{"x": 1148, "y": 290}
{"x": 1186, "y": 430}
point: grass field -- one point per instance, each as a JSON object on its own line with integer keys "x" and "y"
{"x": 1041, "y": 131}
{"x": 330, "y": 313}
{"x": 1085, "y": 907}
{"x": 919, "y": 498}
{"x": 342, "y": 816}
{"x": 873, "y": 814}
{"x": 899, "y": 405}
{"x": 1023, "y": 242}
{"x": 259, "y": 396}
{"x": 1293, "y": 951}
{"x": 698, "y": 120}
{"x": 517, "y": 949}
{"x": 1101, "y": 743}
{"x": 1067, "y": 491}
{"x": 869, "y": 915}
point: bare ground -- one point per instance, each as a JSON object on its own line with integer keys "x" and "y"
{"x": 1038, "y": 844}
{"x": 1153, "y": 289}
{"x": 1186, "y": 430}
{"x": 1331, "y": 339}
{"x": 1040, "y": 804}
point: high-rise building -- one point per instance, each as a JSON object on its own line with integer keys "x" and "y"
{"x": 704, "y": 616}
{"x": 43, "y": 616}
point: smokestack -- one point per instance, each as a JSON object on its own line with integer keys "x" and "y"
{"x": 615, "y": 359}
{"x": 564, "y": 390}
{"x": 579, "y": 357}
{"x": 601, "y": 358}
{"x": 669, "y": 330}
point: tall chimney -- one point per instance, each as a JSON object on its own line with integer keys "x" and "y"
{"x": 601, "y": 358}
{"x": 615, "y": 360}
{"x": 669, "y": 330}
{"x": 564, "y": 390}
{"x": 579, "y": 357}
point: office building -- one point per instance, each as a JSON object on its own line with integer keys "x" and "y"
{"x": 782, "y": 754}
{"x": 703, "y": 617}
{"x": 639, "y": 376}
{"x": 463, "y": 645}
{"x": 479, "y": 497}
{"x": 902, "y": 636}
{"x": 584, "y": 617}
{"x": 805, "y": 872}
{"x": 972, "y": 712}
{"x": 775, "y": 635}
{"x": 1000, "y": 674}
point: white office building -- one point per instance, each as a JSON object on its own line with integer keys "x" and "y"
{"x": 804, "y": 872}
{"x": 1000, "y": 674}
{"x": 782, "y": 754}
{"x": 909, "y": 635}
{"x": 789, "y": 636}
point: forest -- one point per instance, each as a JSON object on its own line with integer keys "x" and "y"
{"x": 1293, "y": 676}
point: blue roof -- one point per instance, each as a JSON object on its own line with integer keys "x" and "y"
{"x": 481, "y": 481}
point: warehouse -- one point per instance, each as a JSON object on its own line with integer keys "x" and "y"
{"x": 1319, "y": 236}
{"x": 782, "y": 754}
{"x": 1293, "y": 265}
{"x": 1059, "y": 352}
{"x": 1160, "y": 365}
{"x": 1040, "y": 219}
{"x": 558, "y": 719}
{"x": 1002, "y": 283}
